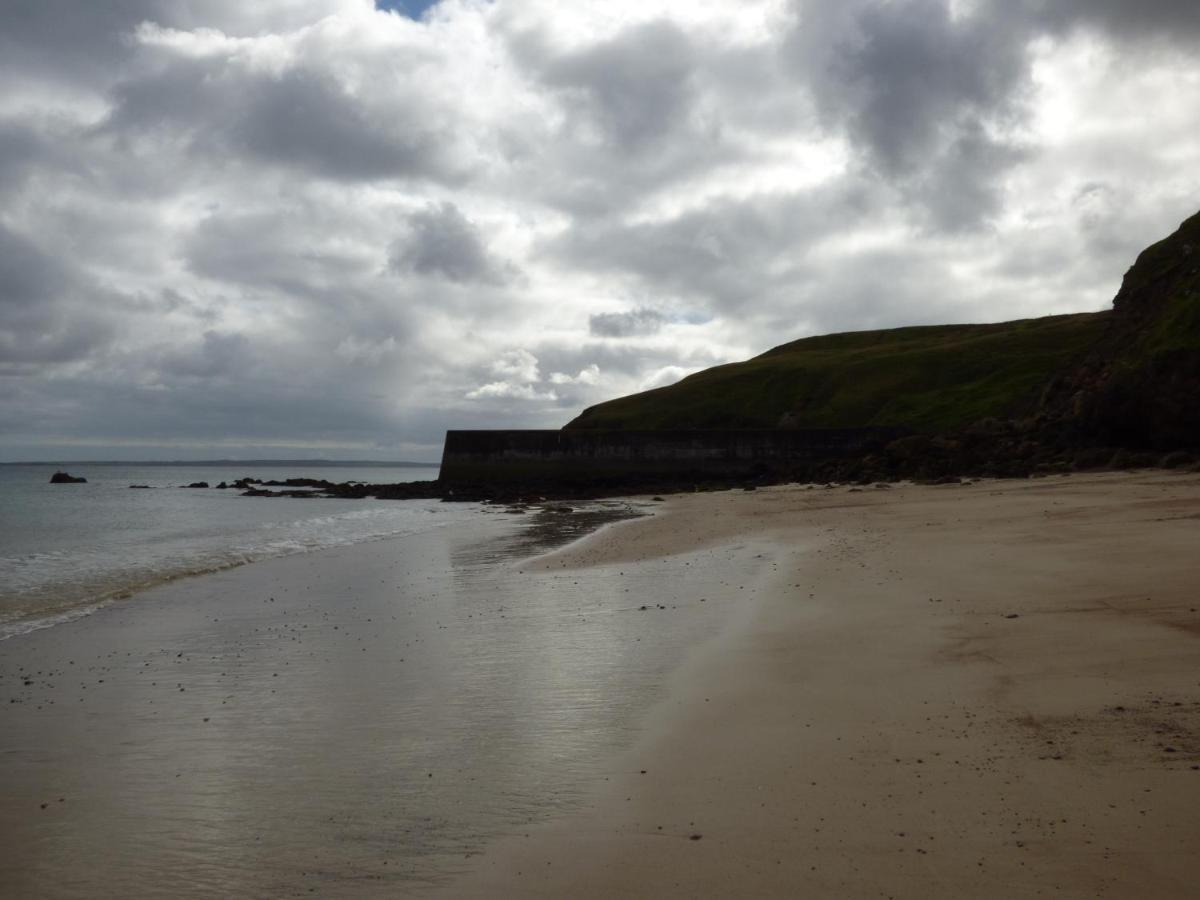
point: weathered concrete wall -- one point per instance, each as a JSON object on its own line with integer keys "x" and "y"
{"x": 598, "y": 456}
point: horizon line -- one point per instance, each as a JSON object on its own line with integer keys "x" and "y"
{"x": 221, "y": 462}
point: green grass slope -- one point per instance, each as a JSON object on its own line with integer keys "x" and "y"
{"x": 932, "y": 378}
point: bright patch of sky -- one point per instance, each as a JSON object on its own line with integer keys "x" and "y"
{"x": 414, "y": 9}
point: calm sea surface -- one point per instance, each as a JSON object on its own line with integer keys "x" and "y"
{"x": 65, "y": 548}
{"x": 354, "y": 721}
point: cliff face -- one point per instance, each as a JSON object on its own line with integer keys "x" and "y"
{"x": 1139, "y": 386}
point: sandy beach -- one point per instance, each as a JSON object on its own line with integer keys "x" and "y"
{"x": 987, "y": 690}
{"x": 983, "y": 690}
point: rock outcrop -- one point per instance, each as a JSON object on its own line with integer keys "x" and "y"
{"x": 65, "y": 478}
{"x": 1138, "y": 386}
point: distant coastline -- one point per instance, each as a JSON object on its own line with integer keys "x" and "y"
{"x": 291, "y": 463}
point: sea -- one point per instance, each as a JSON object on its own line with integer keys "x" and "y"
{"x": 67, "y": 549}
{"x": 389, "y": 688}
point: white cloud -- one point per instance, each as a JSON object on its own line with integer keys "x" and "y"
{"x": 519, "y": 365}
{"x": 510, "y": 391}
{"x": 587, "y": 375}
{"x": 664, "y": 376}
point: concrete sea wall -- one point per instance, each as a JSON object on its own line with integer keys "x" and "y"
{"x": 615, "y": 456}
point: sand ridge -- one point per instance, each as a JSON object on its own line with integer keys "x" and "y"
{"x": 987, "y": 690}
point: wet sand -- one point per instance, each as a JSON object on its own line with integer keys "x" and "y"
{"x": 356, "y": 722}
{"x": 929, "y": 692}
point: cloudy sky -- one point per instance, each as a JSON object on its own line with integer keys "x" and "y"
{"x": 339, "y": 227}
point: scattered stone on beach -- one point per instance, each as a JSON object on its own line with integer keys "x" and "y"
{"x": 197, "y": 484}
{"x": 1013, "y": 616}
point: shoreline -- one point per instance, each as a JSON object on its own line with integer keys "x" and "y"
{"x": 550, "y": 528}
{"x": 983, "y": 691}
{"x": 910, "y": 692}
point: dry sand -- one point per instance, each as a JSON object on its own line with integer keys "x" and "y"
{"x": 957, "y": 691}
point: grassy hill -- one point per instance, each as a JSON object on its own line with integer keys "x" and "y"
{"x": 1125, "y": 377}
{"x": 935, "y": 378}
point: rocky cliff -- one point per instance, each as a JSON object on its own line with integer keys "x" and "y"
{"x": 1139, "y": 385}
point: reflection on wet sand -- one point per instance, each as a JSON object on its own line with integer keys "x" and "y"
{"x": 356, "y": 721}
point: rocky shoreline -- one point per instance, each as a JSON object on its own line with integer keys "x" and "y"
{"x": 988, "y": 452}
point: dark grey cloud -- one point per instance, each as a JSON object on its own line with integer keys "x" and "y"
{"x": 1177, "y": 20}
{"x": 724, "y": 256}
{"x": 965, "y": 185}
{"x": 627, "y": 324}
{"x": 21, "y": 147}
{"x": 272, "y": 249}
{"x": 628, "y": 114}
{"x": 42, "y": 321}
{"x": 60, "y": 40}
{"x": 218, "y": 355}
{"x": 27, "y": 275}
{"x": 441, "y": 242}
{"x": 302, "y": 117}
{"x": 309, "y": 120}
{"x": 633, "y": 90}
{"x": 65, "y": 41}
{"x": 924, "y": 96}
{"x": 935, "y": 100}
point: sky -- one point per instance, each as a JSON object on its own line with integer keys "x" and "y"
{"x": 330, "y": 228}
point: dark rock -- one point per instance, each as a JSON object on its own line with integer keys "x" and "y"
{"x": 319, "y": 483}
{"x": 1177, "y": 460}
{"x": 140, "y": 487}
{"x": 197, "y": 484}
{"x": 64, "y": 478}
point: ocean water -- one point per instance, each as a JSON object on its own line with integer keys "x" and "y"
{"x": 386, "y": 692}
{"x": 66, "y": 549}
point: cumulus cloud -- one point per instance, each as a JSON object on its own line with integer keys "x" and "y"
{"x": 441, "y": 242}
{"x": 507, "y": 390}
{"x": 517, "y": 364}
{"x": 587, "y": 375}
{"x": 315, "y": 223}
